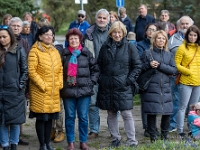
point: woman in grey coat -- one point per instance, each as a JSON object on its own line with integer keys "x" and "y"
{"x": 157, "y": 98}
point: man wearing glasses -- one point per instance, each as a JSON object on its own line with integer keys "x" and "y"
{"x": 80, "y": 23}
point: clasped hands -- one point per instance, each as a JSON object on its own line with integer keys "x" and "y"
{"x": 154, "y": 64}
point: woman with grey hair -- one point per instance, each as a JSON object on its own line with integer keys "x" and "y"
{"x": 26, "y": 33}
{"x": 120, "y": 66}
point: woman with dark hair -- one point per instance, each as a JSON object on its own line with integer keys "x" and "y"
{"x": 142, "y": 46}
{"x": 6, "y": 19}
{"x": 157, "y": 99}
{"x": 13, "y": 76}
{"x": 145, "y": 44}
{"x": 187, "y": 60}
{"x": 45, "y": 74}
{"x": 80, "y": 74}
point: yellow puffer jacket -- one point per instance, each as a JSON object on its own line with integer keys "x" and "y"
{"x": 191, "y": 74}
{"x": 46, "y": 78}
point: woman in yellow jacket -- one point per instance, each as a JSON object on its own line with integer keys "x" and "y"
{"x": 187, "y": 60}
{"x": 46, "y": 80}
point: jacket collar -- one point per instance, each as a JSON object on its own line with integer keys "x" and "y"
{"x": 67, "y": 52}
{"x": 110, "y": 41}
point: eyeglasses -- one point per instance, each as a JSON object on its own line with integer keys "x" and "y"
{"x": 49, "y": 35}
{"x": 4, "y": 27}
{"x": 152, "y": 30}
{"x": 81, "y": 16}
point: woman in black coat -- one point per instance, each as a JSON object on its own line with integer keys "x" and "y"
{"x": 13, "y": 76}
{"x": 157, "y": 98}
{"x": 120, "y": 66}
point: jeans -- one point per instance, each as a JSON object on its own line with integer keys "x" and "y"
{"x": 9, "y": 136}
{"x": 189, "y": 95}
{"x": 80, "y": 104}
{"x": 128, "y": 125}
{"x": 94, "y": 118}
{"x": 175, "y": 90}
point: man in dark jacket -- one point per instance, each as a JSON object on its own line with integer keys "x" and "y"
{"x": 125, "y": 19}
{"x": 142, "y": 21}
{"x": 95, "y": 36}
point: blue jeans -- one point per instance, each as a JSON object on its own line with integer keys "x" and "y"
{"x": 175, "y": 90}
{"x": 9, "y": 136}
{"x": 189, "y": 95}
{"x": 94, "y": 118}
{"x": 81, "y": 105}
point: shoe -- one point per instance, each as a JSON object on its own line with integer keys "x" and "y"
{"x": 22, "y": 142}
{"x": 172, "y": 129}
{"x": 84, "y": 146}
{"x": 157, "y": 132}
{"x": 182, "y": 136}
{"x": 115, "y": 143}
{"x": 70, "y": 146}
{"x": 92, "y": 135}
{"x": 13, "y": 147}
{"x": 49, "y": 147}
{"x": 146, "y": 133}
{"x": 190, "y": 134}
{"x": 59, "y": 137}
{"x": 153, "y": 139}
{"x": 6, "y": 148}
{"x": 53, "y": 134}
{"x": 43, "y": 147}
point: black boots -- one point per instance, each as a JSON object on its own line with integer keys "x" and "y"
{"x": 13, "y": 147}
{"x": 6, "y": 148}
{"x": 43, "y": 147}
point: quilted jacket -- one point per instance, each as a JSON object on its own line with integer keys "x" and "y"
{"x": 46, "y": 78}
{"x": 191, "y": 74}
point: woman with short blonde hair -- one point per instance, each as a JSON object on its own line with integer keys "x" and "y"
{"x": 120, "y": 66}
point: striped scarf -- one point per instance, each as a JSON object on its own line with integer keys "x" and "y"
{"x": 73, "y": 65}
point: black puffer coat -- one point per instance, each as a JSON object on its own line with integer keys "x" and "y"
{"x": 157, "y": 99}
{"x": 117, "y": 74}
{"x": 13, "y": 76}
{"x": 87, "y": 75}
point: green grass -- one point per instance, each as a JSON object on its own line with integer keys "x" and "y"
{"x": 162, "y": 145}
{"x": 136, "y": 100}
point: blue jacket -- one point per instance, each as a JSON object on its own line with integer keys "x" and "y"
{"x": 127, "y": 22}
{"x": 81, "y": 26}
{"x": 140, "y": 25}
{"x": 194, "y": 122}
{"x": 143, "y": 45}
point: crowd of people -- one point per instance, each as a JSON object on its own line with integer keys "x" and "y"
{"x": 98, "y": 69}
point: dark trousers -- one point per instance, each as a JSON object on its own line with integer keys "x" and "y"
{"x": 165, "y": 122}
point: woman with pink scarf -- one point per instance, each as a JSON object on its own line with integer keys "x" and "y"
{"x": 80, "y": 74}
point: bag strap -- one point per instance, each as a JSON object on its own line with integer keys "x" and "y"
{"x": 193, "y": 57}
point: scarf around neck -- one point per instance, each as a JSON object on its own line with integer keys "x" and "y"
{"x": 73, "y": 65}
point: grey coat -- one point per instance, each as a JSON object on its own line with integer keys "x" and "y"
{"x": 157, "y": 99}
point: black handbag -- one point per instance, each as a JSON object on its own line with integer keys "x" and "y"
{"x": 144, "y": 79}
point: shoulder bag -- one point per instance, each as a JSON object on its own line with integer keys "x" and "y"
{"x": 145, "y": 77}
